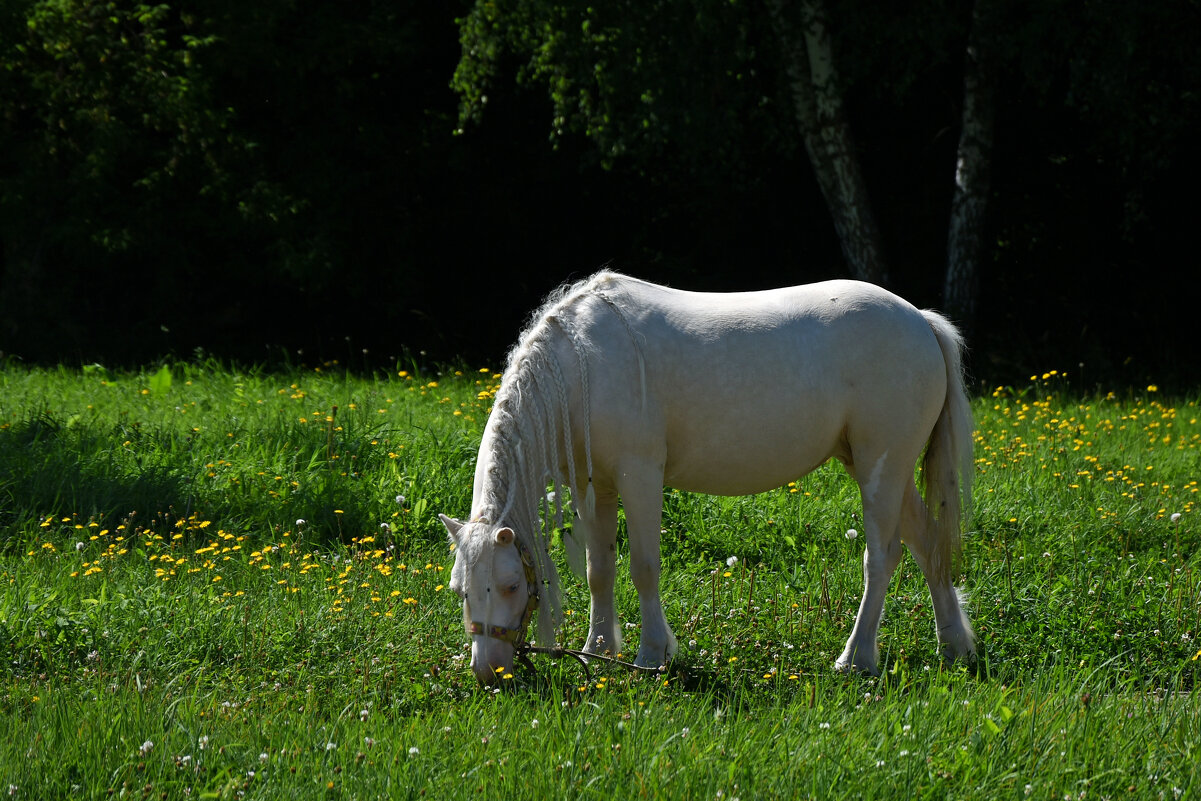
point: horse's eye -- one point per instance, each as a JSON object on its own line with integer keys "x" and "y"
{"x": 512, "y": 588}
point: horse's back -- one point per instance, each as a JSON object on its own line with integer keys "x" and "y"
{"x": 747, "y": 390}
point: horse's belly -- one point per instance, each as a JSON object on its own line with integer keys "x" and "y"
{"x": 745, "y": 459}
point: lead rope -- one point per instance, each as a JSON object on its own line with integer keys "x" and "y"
{"x": 583, "y": 657}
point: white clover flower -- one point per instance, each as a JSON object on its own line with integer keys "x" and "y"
{"x": 852, "y": 533}
{"x": 733, "y": 560}
{"x": 534, "y": 723}
{"x": 414, "y": 751}
{"x": 146, "y": 746}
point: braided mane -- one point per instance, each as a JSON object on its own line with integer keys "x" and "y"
{"x": 529, "y": 438}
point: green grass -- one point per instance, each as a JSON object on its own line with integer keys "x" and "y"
{"x": 171, "y": 629}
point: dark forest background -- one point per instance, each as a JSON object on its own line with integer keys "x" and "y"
{"x": 308, "y": 181}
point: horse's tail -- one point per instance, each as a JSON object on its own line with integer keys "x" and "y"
{"x": 948, "y": 466}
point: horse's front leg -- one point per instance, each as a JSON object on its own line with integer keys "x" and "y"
{"x": 604, "y": 630}
{"x": 642, "y": 499}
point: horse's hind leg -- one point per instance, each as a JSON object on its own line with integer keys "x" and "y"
{"x": 955, "y": 637}
{"x": 604, "y": 633}
{"x": 881, "y": 514}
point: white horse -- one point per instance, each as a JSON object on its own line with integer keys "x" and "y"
{"x": 619, "y": 387}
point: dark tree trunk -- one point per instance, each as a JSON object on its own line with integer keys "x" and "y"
{"x": 817, "y": 103}
{"x": 973, "y": 167}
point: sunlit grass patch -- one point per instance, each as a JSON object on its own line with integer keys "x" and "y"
{"x": 234, "y": 583}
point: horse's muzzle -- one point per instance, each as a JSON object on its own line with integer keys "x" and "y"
{"x": 491, "y": 660}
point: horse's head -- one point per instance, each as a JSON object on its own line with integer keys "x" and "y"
{"x": 494, "y": 575}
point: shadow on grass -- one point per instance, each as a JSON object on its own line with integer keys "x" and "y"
{"x": 66, "y": 466}
{"x": 52, "y": 466}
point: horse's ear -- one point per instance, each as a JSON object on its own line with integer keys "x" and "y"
{"x": 452, "y": 527}
{"x": 504, "y": 536}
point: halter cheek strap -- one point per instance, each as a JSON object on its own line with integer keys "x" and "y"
{"x": 516, "y": 636}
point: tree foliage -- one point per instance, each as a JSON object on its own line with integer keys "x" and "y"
{"x": 286, "y": 171}
{"x": 705, "y": 80}
{"x": 658, "y": 80}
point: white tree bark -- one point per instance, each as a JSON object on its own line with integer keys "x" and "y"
{"x": 973, "y": 172}
{"x": 817, "y": 102}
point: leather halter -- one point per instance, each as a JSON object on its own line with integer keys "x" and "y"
{"x": 515, "y": 637}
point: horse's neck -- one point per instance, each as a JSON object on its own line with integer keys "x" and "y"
{"x": 492, "y": 475}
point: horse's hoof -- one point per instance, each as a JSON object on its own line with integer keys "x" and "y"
{"x": 847, "y": 668}
{"x": 653, "y": 661}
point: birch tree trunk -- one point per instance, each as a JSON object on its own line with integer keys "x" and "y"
{"x": 973, "y": 168}
{"x": 817, "y": 102}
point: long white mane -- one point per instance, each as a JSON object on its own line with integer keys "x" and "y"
{"x": 528, "y": 444}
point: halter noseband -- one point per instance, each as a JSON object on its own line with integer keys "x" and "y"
{"x": 515, "y": 637}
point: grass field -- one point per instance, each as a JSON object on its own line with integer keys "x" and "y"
{"x": 218, "y": 583}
